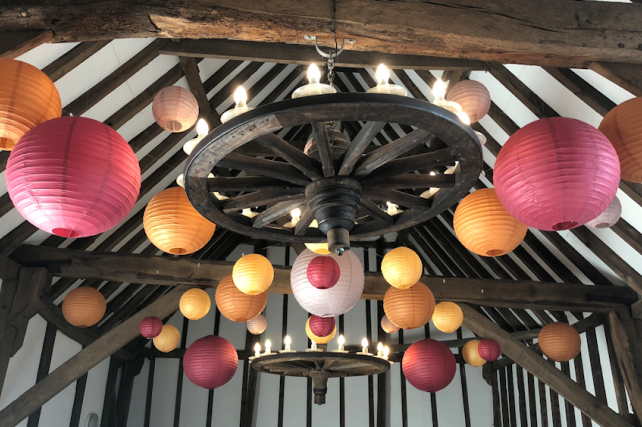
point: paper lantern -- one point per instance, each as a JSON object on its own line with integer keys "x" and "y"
{"x": 448, "y": 317}
{"x": 560, "y": 341}
{"x": 173, "y": 225}
{"x": 471, "y": 354}
{"x": 323, "y": 272}
{"x": 175, "y": 109}
{"x": 328, "y": 302}
{"x": 257, "y": 325}
{"x": 556, "y": 174}
{"x": 73, "y": 177}
{"x": 28, "y": 98}
{"x": 195, "y": 304}
{"x": 321, "y": 326}
{"x": 168, "y": 339}
{"x": 318, "y": 248}
{"x": 210, "y": 362}
{"x": 401, "y": 267}
{"x": 253, "y": 274}
{"x": 489, "y": 350}
{"x": 84, "y": 307}
{"x": 473, "y": 97}
{"x": 150, "y": 327}
{"x": 388, "y": 326}
{"x": 409, "y": 308}
{"x": 484, "y": 227}
{"x": 609, "y": 217}
{"x": 318, "y": 339}
{"x": 623, "y": 128}
{"x": 429, "y": 365}
{"x": 235, "y": 305}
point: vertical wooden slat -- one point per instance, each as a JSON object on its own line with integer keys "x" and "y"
{"x": 464, "y": 383}
{"x": 433, "y": 396}
{"x": 521, "y": 396}
{"x": 497, "y": 416}
{"x": 43, "y": 367}
{"x": 284, "y": 332}
{"x": 596, "y": 365}
{"x": 342, "y": 383}
{"x": 579, "y": 378}
{"x": 402, "y": 377}
{"x": 210, "y": 395}
{"x": 555, "y": 404}
{"x": 110, "y": 392}
{"x": 543, "y": 407}
{"x": 382, "y": 392}
{"x": 308, "y": 411}
{"x": 179, "y": 381}
{"x": 371, "y": 410}
{"x": 503, "y": 395}
{"x": 79, "y": 397}
{"x": 511, "y": 395}
{"x": 618, "y": 381}
{"x": 150, "y": 390}
{"x": 532, "y": 401}
{"x": 570, "y": 409}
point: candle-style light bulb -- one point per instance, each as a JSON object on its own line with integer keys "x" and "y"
{"x": 386, "y": 352}
{"x": 314, "y": 87}
{"x": 202, "y": 128}
{"x": 314, "y": 74}
{"x": 257, "y": 349}
{"x": 379, "y": 350}
{"x": 464, "y": 118}
{"x": 364, "y": 346}
{"x": 439, "y": 90}
{"x": 240, "y": 97}
{"x": 295, "y": 214}
{"x": 382, "y": 74}
{"x": 268, "y": 346}
{"x": 287, "y": 341}
{"x": 342, "y": 342}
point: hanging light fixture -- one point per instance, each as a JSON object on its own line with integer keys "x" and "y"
{"x": 202, "y": 129}
{"x": 240, "y": 99}
{"x": 314, "y": 87}
{"x": 439, "y": 92}
{"x": 383, "y": 75}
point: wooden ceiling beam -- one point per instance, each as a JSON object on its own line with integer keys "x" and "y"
{"x": 70, "y": 60}
{"x": 16, "y": 43}
{"x": 626, "y": 76}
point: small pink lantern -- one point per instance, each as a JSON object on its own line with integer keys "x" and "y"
{"x": 556, "y": 174}
{"x": 150, "y": 327}
{"x": 489, "y": 350}
{"x": 322, "y": 326}
{"x": 473, "y": 97}
{"x": 257, "y": 325}
{"x": 323, "y": 272}
{"x": 388, "y": 326}
{"x": 175, "y": 109}
{"x": 609, "y": 217}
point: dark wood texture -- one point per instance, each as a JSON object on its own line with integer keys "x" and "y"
{"x": 43, "y": 366}
{"x": 15, "y": 43}
{"x": 70, "y": 60}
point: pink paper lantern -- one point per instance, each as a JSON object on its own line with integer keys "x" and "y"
{"x": 210, "y": 362}
{"x": 429, "y": 365}
{"x": 323, "y": 272}
{"x": 556, "y": 174}
{"x": 150, "y": 327}
{"x": 322, "y": 326}
{"x": 609, "y": 217}
{"x": 73, "y": 177}
{"x": 257, "y": 325}
{"x": 489, "y": 350}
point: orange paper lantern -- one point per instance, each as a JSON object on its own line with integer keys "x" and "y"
{"x": 253, "y": 274}
{"x": 236, "y": 305}
{"x": 84, "y": 307}
{"x": 388, "y": 326}
{"x": 401, "y": 267}
{"x": 484, "y": 227}
{"x": 318, "y": 248}
{"x": 175, "y": 109}
{"x": 473, "y": 97}
{"x": 622, "y": 126}
{"x": 409, "y": 308}
{"x": 471, "y": 355}
{"x": 168, "y": 339}
{"x": 173, "y": 225}
{"x": 560, "y": 341}
{"x": 448, "y": 317}
{"x": 28, "y": 98}
{"x": 316, "y": 339}
{"x": 195, "y": 304}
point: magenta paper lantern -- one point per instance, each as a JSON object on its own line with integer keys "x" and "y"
{"x": 210, "y": 362}
{"x": 489, "y": 350}
{"x": 556, "y": 174}
{"x": 322, "y": 326}
{"x": 150, "y": 327}
{"x": 323, "y": 272}
{"x": 73, "y": 177}
{"x": 429, "y": 365}
{"x": 609, "y": 217}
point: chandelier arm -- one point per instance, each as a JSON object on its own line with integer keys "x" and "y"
{"x": 320, "y": 135}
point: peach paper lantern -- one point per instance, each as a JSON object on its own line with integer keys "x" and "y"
{"x": 318, "y": 339}
{"x": 84, "y": 307}
{"x": 401, "y": 267}
{"x": 448, "y": 317}
{"x": 388, "y": 326}
{"x": 28, "y": 98}
{"x": 236, "y": 305}
{"x": 253, "y": 274}
{"x": 473, "y": 97}
{"x": 318, "y": 248}
{"x": 195, "y": 304}
{"x": 484, "y": 227}
{"x": 168, "y": 339}
{"x": 409, "y": 308}
{"x": 257, "y": 325}
{"x": 175, "y": 109}
{"x": 173, "y": 225}
{"x": 471, "y": 355}
{"x": 609, "y": 217}
{"x": 560, "y": 341}
{"x": 623, "y": 127}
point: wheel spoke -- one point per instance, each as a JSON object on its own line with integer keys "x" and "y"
{"x": 410, "y": 181}
{"x": 375, "y": 212}
{"x": 269, "y": 168}
{"x": 293, "y": 155}
{"x": 323, "y": 145}
{"x": 260, "y": 198}
{"x": 277, "y": 211}
{"x": 396, "y": 197}
{"x": 358, "y": 146}
{"x": 441, "y": 157}
{"x": 246, "y": 183}
{"x": 305, "y": 221}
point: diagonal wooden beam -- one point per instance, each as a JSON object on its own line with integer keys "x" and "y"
{"x": 626, "y": 76}
{"x": 70, "y": 60}
{"x": 192, "y": 74}
{"x": 16, "y": 43}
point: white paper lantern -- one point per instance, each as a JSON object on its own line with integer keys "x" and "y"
{"x": 609, "y": 217}
{"x": 257, "y": 325}
{"x": 333, "y": 301}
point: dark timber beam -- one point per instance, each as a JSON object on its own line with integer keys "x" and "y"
{"x": 15, "y": 43}
{"x": 626, "y": 76}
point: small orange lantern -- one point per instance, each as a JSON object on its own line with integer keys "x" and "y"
{"x": 318, "y": 248}
{"x": 316, "y": 339}
{"x": 195, "y": 304}
{"x": 471, "y": 355}
{"x": 84, "y": 307}
{"x": 409, "y": 308}
{"x": 473, "y": 97}
{"x": 622, "y": 126}
{"x": 236, "y": 305}
{"x": 560, "y": 341}
{"x": 168, "y": 339}
{"x": 401, "y": 267}
{"x": 175, "y": 109}
{"x": 253, "y": 274}
{"x": 448, "y": 317}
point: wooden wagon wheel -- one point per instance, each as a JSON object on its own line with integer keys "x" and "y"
{"x": 342, "y": 189}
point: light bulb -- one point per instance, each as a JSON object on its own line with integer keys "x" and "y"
{"x": 268, "y": 346}
{"x": 180, "y": 180}
{"x": 386, "y": 352}
{"x": 240, "y": 97}
{"x": 439, "y": 89}
{"x": 380, "y": 347}
{"x": 257, "y": 349}
{"x": 287, "y": 340}
{"x": 295, "y": 214}
{"x": 202, "y": 128}
{"x": 464, "y": 118}
{"x": 341, "y": 340}
{"x": 364, "y": 342}
{"x": 383, "y": 75}
{"x": 314, "y": 74}
{"x": 432, "y": 173}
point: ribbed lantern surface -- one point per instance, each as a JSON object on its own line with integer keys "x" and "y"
{"x": 28, "y": 98}
{"x": 556, "y": 174}
{"x": 609, "y": 217}
{"x": 471, "y": 355}
{"x": 321, "y": 326}
{"x": 253, "y": 274}
{"x": 257, "y": 325}
{"x": 409, "y": 308}
{"x": 195, "y": 304}
{"x": 560, "y": 341}
{"x": 84, "y": 307}
{"x": 388, "y": 326}
{"x": 328, "y": 302}
{"x": 484, "y": 227}
{"x": 448, "y": 317}
{"x": 173, "y": 225}
{"x": 210, "y": 362}
{"x": 235, "y": 305}
{"x": 401, "y": 267}
{"x": 73, "y": 177}
{"x": 623, "y": 127}
{"x": 323, "y": 272}
{"x": 473, "y": 97}
{"x": 319, "y": 339}
{"x": 168, "y": 339}
{"x": 175, "y": 109}
{"x": 150, "y": 327}
{"x": 429, "y": 365}
{"x": 489, "y": 350}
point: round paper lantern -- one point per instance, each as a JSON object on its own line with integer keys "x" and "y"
{"x": 168, "y": 339}
{"x": 556, "y": 174}
{"x": 253, "y": 274}
{"x": 473, "y": 97}
{"x": 235, "y": 305}
{"x": 318, "y": 248}
{"x": 318, "y": 339}
{"x": 560, "y": 341}
{"x": 210, "y": 362}
{"x": 489, "y": 350}
{"x": 448, "y": 317}
{"x": 84, "y": 307}
{"x": 257, "y": 325}
{"x": 609, "y": 217}
{"x": 323, "y": 272}
{"x": 175, "y": 109}
{"x": 28, "y": 98}
{"x": 321, "y": 326}
{"x": 173, "y": 225}
{"x": 471, "y": 354}
{"x": 150, "y": 327}
{"x": 409, "y": 308}
{"x": 388, "y": 326}
{"x": 429, "y": 365}
{"x": 623, "y": 128}
{"x": 401, "y": 267}
{"x": 484, "y": 227}
{"x": 328, "y": 302}
{"x": 73, "y": 177}
{"x": 195, "y": 304}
